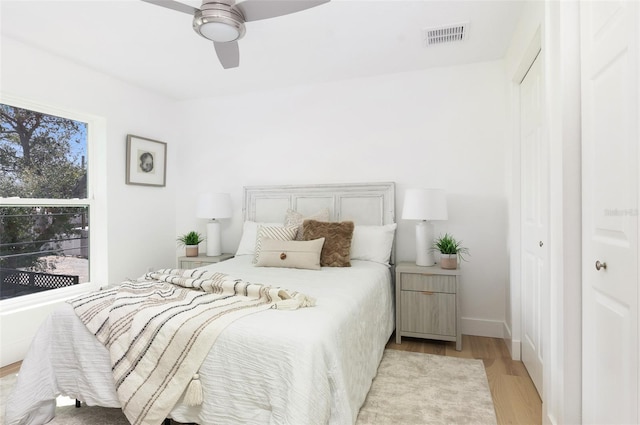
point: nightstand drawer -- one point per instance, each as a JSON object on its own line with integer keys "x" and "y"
{"x": 192, "y": 264}
{"x": 426, "y": 282}
{"x": 428, "y": 312}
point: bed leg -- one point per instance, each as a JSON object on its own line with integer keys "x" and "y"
{"x": 78, "y": 403}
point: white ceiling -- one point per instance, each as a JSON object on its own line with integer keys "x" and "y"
{"x": 156, "y": 48}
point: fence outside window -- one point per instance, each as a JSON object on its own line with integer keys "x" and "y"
{"x": 49, "y": 250}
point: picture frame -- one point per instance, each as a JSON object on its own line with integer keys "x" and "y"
{"x": 146, "y": 161}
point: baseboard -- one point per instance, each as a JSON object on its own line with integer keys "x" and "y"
{"x": 513, "y": 345}
{"x": 508, "y": 337}
{"x": 482, "y": 327}
{"x": 493, "y": 329}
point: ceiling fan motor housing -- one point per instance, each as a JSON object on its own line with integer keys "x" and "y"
{"x": 219, "y": 22}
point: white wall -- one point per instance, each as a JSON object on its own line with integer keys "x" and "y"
{"x": 442, "y": 127}
{"x": 434, "y": 128}
{"x": 140, "y": 228}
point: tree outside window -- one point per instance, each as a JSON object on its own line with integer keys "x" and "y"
{"x": 44, "y": 220}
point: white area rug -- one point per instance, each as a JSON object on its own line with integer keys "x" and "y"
{"x": 410, "y": 389}
{"x": 415, "y": 388}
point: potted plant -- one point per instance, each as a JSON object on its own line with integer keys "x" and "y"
{"x": 190, "y": 241}
{"x": 450, "y": 250}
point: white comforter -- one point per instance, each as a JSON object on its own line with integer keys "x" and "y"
{"x": 310, "y": 366}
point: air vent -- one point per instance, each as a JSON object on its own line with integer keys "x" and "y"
{"x": 446, "y": 34}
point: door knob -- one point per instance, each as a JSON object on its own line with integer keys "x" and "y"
{"x": 600, "y": 265}
{"x": 540, "y": 243}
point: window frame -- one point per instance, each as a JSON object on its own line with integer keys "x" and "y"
{"x": 95, "y": 201}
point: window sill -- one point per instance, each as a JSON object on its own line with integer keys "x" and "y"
{"x": 27, "y": 302}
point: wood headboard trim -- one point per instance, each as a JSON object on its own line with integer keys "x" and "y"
{"x": 363, "y": 203}
{"x": 339, "y": 193}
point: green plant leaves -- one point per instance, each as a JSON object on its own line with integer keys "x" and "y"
{"x": 191, "y": 238}
{"x": 447, "y": 244}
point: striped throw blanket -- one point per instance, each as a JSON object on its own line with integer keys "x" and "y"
{"x": 159, "y": 329}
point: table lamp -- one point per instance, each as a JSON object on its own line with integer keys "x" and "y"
{"x": 214, "y": 206}
{"x": 425, "y": 205}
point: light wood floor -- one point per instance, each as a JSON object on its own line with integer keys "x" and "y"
{"x": 514, "y": 396}
{"x": 9, "y": 369}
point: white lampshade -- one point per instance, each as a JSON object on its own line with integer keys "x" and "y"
{"x": 425, "y": 204}
{"x": 213, "y": 206}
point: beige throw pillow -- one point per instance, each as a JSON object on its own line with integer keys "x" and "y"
{"x": 287, "y": 233}
{"x": 294, "y": 218}
{"x": 291, "y": 254}
{"x": 247, "y": 244}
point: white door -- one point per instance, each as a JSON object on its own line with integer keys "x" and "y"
{"x": 610, "y": 50}
{"x": 535, "y": 219}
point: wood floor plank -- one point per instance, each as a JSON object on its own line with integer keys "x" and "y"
{"x": 516, "y": 400}
{"x": 9, "y": 369}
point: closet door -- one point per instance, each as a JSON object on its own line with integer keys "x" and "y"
{"x": 610, "y": 50}
{"x": 535, "y": 220}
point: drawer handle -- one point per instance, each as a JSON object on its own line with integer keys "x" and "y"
{"x": 426, "y": 293}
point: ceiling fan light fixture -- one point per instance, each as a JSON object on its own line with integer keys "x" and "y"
{"x": 219, "y": 25}
{"x": 219, "y": 32}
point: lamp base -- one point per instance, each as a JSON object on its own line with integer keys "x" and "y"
{"x": 424, "y": 241}
{"x": 214, "y": 246}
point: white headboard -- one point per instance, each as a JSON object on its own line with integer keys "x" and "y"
{"x": 362, "y": 203}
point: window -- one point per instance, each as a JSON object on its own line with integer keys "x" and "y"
{"x": 45, "y": 206}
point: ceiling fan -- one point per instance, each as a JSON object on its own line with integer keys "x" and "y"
{"x": 222, "y": 21}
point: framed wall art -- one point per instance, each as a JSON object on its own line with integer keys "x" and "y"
{"x": 146, "y": 161}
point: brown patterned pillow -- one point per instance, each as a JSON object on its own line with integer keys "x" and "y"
{"x": 336, "y": 251}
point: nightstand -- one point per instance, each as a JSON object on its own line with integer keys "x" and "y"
{"x": 428, "y": 303}
{"x": 201, "y": 260}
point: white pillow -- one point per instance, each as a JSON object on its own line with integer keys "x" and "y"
{"x": 287, "y": 233}
{"x": 291, "y": 254}
{"x": 247, "y": 244}
{"x": 373, "y": 243}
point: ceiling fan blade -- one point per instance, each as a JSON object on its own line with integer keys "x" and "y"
{"x": 254, "y": 10}
{"x": 174, "y": 5}
{"x": 228, "y": 54}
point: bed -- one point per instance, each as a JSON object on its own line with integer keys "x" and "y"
{"x": 310, "y": 366}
